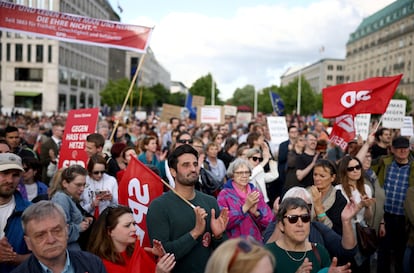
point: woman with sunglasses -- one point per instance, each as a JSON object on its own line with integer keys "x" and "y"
{"x": 101, "y": 189}
{"x": 241, "y": 255}
{"x": 249, "y": 214}
{"x": 353, "y": 187}
{"x": 67, "y": 192}
{"x": 293, "y": 251}
{"x": 149, "y": 154}
{"x": 113, "y": 239}
{"x": 328, "y": 202}
{"x": 259, "y": 176}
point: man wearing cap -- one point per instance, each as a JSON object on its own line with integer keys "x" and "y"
{"x": 13, "y": 249}
{"x": 395, "y": 173}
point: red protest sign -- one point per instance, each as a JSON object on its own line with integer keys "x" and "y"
{"x": 79, "y": 124}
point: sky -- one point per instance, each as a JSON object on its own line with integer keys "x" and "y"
{"x": 244, "y": 42}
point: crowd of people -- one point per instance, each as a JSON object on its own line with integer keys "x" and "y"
{"x": 239, "y": 203}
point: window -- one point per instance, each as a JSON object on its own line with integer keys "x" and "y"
{"x": 49, "y": 53}
{"x": 329, "y": 78}
{"x": 330, "y": 67}
{"x": 39, "y": 53}
{"x": 339, "y": 67}
{"x": 8, "y": 52}
{"x": 18, "y": 54}
{"x": 63, "y": 76}
{"x": 29, "y": 53}
{"x": 83, "y": 80}
{"x": 28, "y": 74}
{"x": 74, "y": 79}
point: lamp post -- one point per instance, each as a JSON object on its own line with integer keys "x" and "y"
{"x": 299, "y": 92}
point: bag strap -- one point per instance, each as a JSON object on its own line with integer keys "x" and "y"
{"x": 317, "y": 255}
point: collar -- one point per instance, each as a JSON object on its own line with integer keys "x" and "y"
{"x": 67, "y": 268}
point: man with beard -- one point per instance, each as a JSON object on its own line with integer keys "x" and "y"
{"x": 191, "y": 233}
{"x": 13, "y": 249}
{"x": 46, "y": 234}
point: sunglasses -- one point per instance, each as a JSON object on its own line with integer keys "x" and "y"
{"x": 256, "y": 158}
{"x": 293, "y": 219}
{"x": 350, "y": 169}
{"x": 98, "y": 172}
{"x": 185, "y": 141}
{"x": 244, "y": 246}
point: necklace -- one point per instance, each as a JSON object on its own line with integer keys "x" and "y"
{"x": 296, "y": 259}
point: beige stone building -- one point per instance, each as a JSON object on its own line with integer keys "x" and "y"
{"x": 324, "y": 73}
{"x": 383, "y": 45}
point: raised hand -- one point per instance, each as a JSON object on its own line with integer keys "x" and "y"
{"x": 305, "y": 267}
{"x": 218, "y": 225}
{"x": 200, "y": 222}
{"x": 339, "y": 269}
{"x": 166, "y": 263}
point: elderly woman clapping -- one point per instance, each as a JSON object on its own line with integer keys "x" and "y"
{"x": 248, "y": 212}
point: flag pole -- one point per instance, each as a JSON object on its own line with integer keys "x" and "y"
{"x": 378, "y": 124}
{"x": 131, "y": 86}
{"x": 176, "y": 193}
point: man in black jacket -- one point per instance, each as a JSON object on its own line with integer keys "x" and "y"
{"x": 46, "y": 235}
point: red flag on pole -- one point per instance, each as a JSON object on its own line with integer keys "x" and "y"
{"x": 368, "y": 96}
{"x": 343, "y": 131}
{"x": 141, "y": 261}
{"x": 138, "y": 187}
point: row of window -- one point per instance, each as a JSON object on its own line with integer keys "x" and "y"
{"x": 338, "y": 67}
{"x": 33, "y": 52}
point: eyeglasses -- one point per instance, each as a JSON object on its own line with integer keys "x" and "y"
{"x": 246, "y": 173}
{"x": 98, "y": 172}
{"x": 185, "y": 141}
{"x": 350, "y": 169}
{"x": 244, "y": 246}
{"x": 293, "y": 219}
{"x": 256, "y": 158}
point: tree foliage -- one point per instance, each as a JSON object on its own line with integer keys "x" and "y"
{"x": 244, "y": 96}
{"x": 202, "y": 87}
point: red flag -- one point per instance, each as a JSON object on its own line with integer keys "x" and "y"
{"x": 368, "y": 96}
{"x": 141, "y": 261}
{"x": 138, "y": 187}
{"x": 343, "y": 131}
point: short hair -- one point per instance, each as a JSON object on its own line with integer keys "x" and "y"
{"x": 380, "y": 132}
{"x": 10, "y": 129}
{"x": 41, "y": 210}
{"x": 224, "y": 259}
{"x": 327, "y": 165}
{"x": 292, "y": 127}
{"x": 253, "y": 136}
{"x": 58, "y": 123}
{"x": 300, "y": 192}
{"x": 145, "y": 141}
{"x": 183, "y": 133}
{"x": 179, "y": 151}
{"x": 209, "y": 145}
{"x": 100, "y": 243}
{"x": 97, "y": 139}
{"x": 311, "y": 134}
{"x": 289, "y": 203}
{"x": 237, "y": 163}
{"x": 230, "y": 142}
{"x": 252, "y": 151}
{"x": 95, "y": 159}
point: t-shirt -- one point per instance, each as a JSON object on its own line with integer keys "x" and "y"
{"x": 290, "y": 261}
{"x": 5, "y": 212}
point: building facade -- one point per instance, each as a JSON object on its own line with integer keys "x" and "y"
{"x": 383, "y": 45}
{"x": 324, "y": 73}
{"x": 45, "y": 75}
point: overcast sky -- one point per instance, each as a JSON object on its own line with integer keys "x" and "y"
{"x": 243, "y": 41}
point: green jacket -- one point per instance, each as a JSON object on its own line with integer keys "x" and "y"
{"x": 382, "y": 165}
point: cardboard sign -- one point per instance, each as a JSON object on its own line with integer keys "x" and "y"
{"x": 230, "y": 110}
{"x": 394, "y": 115}
{"x": 278, "y": 129}
{"x": 170, "y": 111}
{"x": 210, "y": 114}
{"x": 361, "y": 123}
{"x": 79, "y": 124}
{"x": 198, "y": 101}
{"x": 407, "y": 129}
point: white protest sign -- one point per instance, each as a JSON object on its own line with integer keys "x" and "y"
{"x": 277, "y": 129}
{"x": 394, "y": 115}
{"x": 361, "y": 123}
{"x": 407, "y": 129}
{"x": 243, "y": 118}
{"x": 230, "y": 110}
{"x": 210, "y": 114}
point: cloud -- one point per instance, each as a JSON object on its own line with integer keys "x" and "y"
{"x": 257, "y": 44}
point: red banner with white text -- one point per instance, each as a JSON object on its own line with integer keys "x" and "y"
{"x": 73, "y": 28}
{"x": 138, "y": 187}
{"x": 79, "y": 124}
{"x": 343, "y": 131}
{"x": 368, "y": 96}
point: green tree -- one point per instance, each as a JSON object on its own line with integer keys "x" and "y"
{"x": 202, "y": 87}
{"x": 244, "y": 96}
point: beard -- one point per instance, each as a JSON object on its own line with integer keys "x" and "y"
{"x": 189, "y": 180}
